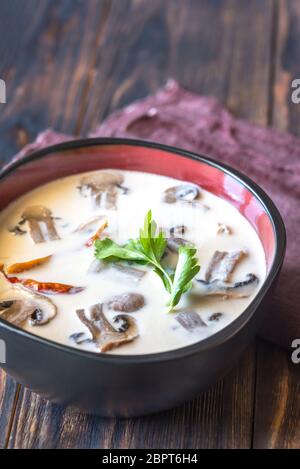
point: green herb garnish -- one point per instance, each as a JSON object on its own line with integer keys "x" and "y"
{"x": 148, "y": 249}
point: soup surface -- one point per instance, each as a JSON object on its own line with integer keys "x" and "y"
{"x": 63, "y": 218}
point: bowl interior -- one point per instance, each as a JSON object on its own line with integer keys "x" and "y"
{"x": 63, "y": 161}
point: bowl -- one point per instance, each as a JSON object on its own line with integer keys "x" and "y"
{"x": 131, "y": 385}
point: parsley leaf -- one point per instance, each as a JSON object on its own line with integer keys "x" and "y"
{"x": 186, "y": 269}
{"x": 110, "y": 251}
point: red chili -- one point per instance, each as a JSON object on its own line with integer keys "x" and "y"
{"x": 51, "y": 288}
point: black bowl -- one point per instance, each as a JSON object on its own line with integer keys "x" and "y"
{"x": 126, "y": 385}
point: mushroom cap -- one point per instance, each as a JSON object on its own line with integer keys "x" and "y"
{"x": 190, "y": 320}
{"x": 223, "y": 264}
{"x": 16, "y": 311}
{"x": 101, "y": 180}
{"x": 177, "y": 230}
{"x": 96, "y": 266}
{"x": 86, "y": 225}
{"x": 26, "y": 305}
{"x": 36, "y": 212}
{"x": 105, "y": 336}
{"x": 241, "y": 289}
{"x": 174, "y": 243}
{"x": 126, "y": 302}
{"x": 128, "y": 272}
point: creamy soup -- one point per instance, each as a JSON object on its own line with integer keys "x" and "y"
{"x": 123, "y": 303}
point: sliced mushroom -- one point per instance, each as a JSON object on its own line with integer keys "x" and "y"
{"x": 215, "y": 317}
{"x": 131, "y": 273}
{"x": 222, "y": 265}
{"x": 173, "y": 244}
{"x": 177, "y": 230}
{"x": 80, "y": 338}
{"x": 16, "y": 311}
{"x": 184, "y": 192}
{"x": 190, "y": 320}
{"x": 87, "y": 225}
{"x": 223, "y": 229}
{"x": 126, "y": 302}
{"x": 96, "y": 266}
{"x": 123, "y": 189}
{"x": 20, "y": 305}
{"x": 217, "y": 287}
{"x": 122, "y": 323}
{"x": 35, "y": 215}
{"x": 17, "y": 231}
{"x": 174, "y": 231}
{"x": 105, "y": 336}
{"x": 102, "y": 187}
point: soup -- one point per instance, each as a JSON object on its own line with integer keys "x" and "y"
{"x": 53, "y": 285}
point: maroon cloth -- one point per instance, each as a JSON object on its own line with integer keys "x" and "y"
{"x": 271, "y": 158}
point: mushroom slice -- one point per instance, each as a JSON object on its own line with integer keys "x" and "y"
{"x": 185, "y": 192}
{"x": 102, "y": 187}
{"x": 16, "y": 311}
{"x": 241, "y": 289}
{"x": 126, "y": 302}
{"x": 214, "y": 317}
{"x": 20, "y": 305}
{"x": 173, "y": 231}
{"x": 36, "y": 215}
{"x": 223, "y": 229}
{"x": 105, "y": 336}
{"x": 19, "y": 267}
{"x": 222, "y": 265}
{"x": 131, "y": 273}
{"x": 173, "y": 244}
{"x": 17, "y": 230}
{"x": 80, "y": 338}
{"x": 123, "y": 189}
{"x": 190, "y": 320}
{"x": 178, "y": 230}
{"x": 96, "y": 266}
{"x": 88, "y": 224}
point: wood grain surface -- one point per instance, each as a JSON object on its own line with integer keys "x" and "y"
{"x": 69, "y": 65}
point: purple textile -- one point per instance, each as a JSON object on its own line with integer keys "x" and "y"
{"x": 177, "y": 117}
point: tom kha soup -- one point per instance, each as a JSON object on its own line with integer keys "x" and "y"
{"x": 126, "y": 262}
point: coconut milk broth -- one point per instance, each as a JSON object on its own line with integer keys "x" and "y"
{"x": 158, "y": 331}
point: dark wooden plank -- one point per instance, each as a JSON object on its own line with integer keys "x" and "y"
{"x": 210, "y": 47}
{"x": 277, "y": 412}
{"x": 277, "y": 416}
{"x": 47, "y": 54}
{"x": 206, "y": 46}
{"x": 44, "y": 59}
{"x": 8, "y": 398}
{"x": 196, "y": 424}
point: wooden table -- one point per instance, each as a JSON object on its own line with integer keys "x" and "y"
{"x": 68, "y": 64}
